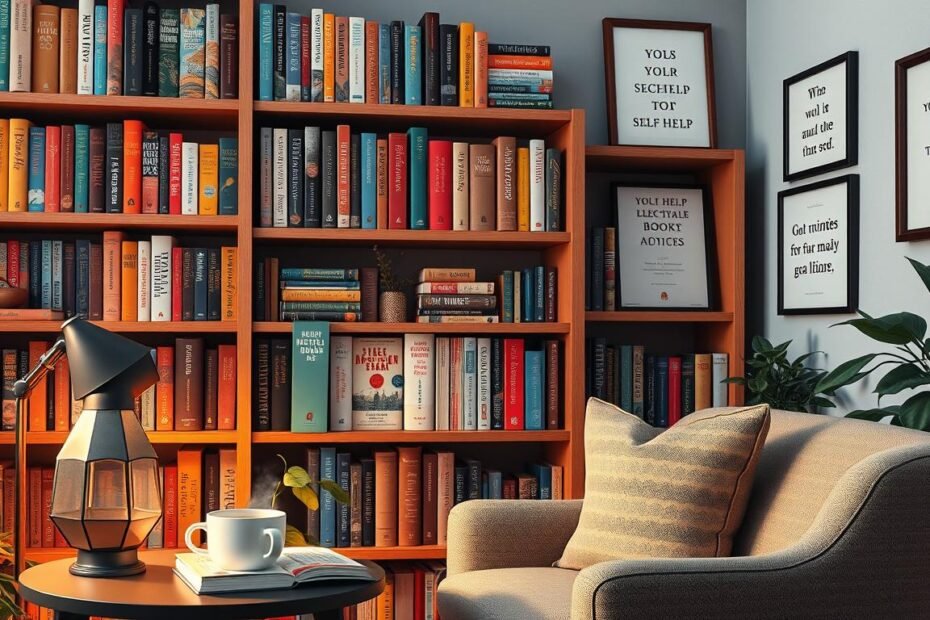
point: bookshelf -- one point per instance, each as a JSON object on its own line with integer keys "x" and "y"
{"x": 563, "y": 129}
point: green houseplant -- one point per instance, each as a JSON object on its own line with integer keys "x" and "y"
{"x": 301, "y": 484}
{"x": 908, "y": 364}
{"x": 782, "y": 383}
{"x": 9, "y": 605}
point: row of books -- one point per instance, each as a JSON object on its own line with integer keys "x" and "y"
{"x": 121, "y": 279}
{"x": 661, "y": 389}
{"x": 318, "y": 383}
{"x": 323, "y": 294}
{"x": 315, "y": 178}
{"x": 120, "y": 168}
{"x": 402, "y": 496}
{"x": 521, "y": 76}
{"x": 112, "y": 49}
{"x": 334, "y": 58}
{"x": 410, "y": 592}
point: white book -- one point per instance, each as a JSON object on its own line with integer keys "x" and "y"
{"x": 459, "y": 186}
{"x": 212, "y": 49}
{"x": 85, "y": 59}
{"x": 161, "y": 277}
{"x": 720, "y": 372}
{"x": 469, "y": 384}
{"x": 537, "y": 186}
{"x": 517, "y": 296}
{"x": 20, "y": 45}
{"x": 419, "y": 382}
{"x": 57, "y": 281}
{"x": 266, "y": 176}
{"x": 279, "y": 195}
{"x": 356, "y": 60}
{"x": 442, "y": 384}
{"x": 316, "y": 55}
{"x": 484, "y": 384}
{"x": 144, "y": 279}
{"x": 340, "y": 383}
{"x": 189, "y": 178}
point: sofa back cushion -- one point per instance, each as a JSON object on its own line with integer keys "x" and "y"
{"x": 675, "y": 493}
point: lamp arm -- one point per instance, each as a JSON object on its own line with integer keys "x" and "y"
{"x": 45, "y": 365}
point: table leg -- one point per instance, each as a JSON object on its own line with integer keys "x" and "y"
{"x": 330, "y": 614}
{"x": 67, "y": 615}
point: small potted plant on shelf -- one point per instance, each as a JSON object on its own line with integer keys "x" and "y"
{"x": 392, "y": 301}
{"x": 301, "y": 484}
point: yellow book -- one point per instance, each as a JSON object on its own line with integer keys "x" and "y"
{"x": 4, "y": 164}
{"x": 307, "y": 294}
{"x": 466, "y": 65}
{"x": 209, "y": 161}
{"x": 523, "y": 188}
{"x": 129, "y": 281}
{"x": 329, "y": 57}
{"x": 230, "y": 279}
{"x": 18, "y": 180}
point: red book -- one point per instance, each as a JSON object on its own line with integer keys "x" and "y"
{"x": 150, "y": 172}
{"x": 171, "y": 506}
{"x": 174, "y": 174}
{"x": 177, "y": 260}
{"x": 440, "y": 185}
{"x": 132, "y": 166}
{"x": 226, "y": 397}
{"x": 513, "y": 384}
{"x": 304, "y": 56}
{"x": 531, "y": 63}
{"x": 48, "y": 530}
{"x": 674, "y": 389}
{"x": 419, "y": 593}
{"x": 343, "y": 175}
{"x": 62, "y": 395}
{"x": 67, "y": 169}
{"x": 12, "y": 263}
{"x": 371, "y": 62}
{"x": 52, "y": 169}
{"x": 397, "y": 181}
{"x": 164, "y": 389}
{"x": 509, "y": 488}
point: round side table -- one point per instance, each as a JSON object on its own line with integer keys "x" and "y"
{"x": 158, "y": 593}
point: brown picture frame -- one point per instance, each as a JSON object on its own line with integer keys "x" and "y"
{"x": 609, "y": 23}
{"x": 901, "y": 66}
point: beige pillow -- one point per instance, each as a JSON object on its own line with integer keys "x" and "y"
{"x": 675, "y": 493}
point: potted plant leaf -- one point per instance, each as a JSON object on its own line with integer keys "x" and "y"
{"x": 302, "y": 484}
{"x": 392, "y": 301}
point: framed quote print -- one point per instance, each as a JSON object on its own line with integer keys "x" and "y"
{"x": 660, "y": 83}
{"x": 821, "y": 118}
{"x": 912, "y": 153}
{"x": 665, "y": 247}
{"x": 818, "y": 247}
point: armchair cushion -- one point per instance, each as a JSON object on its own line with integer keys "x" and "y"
{"x": 673, "y": 494}
{"x": 505, "y": 593}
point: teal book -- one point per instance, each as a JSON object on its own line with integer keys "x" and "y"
{"x": 626, "y": 378}
{"x": 310, "y": 377}
{"x": 543, "y": 474}
{"x": 413, "y": 81}
{"x": 527, "y": 292}
{"x": 36, "y": 169}
{"x": 369, "y": 163}
{"x": 5, "y": 45}
{"x": 81, "y": 167}
{"x": 384, "y": 63}
{"x": 265, "y": 52}
{"x": 318, "y": 273}
{"x": 533, "y": 372}
{"x": 506, "y": 285}
{"x": 539, "y": 294}
{"x": 229, "y": 176}
{"x": 100, "y": 49}
{"x": 47, "y": 278}
{"x": 327, "y": 501}
{"x": 191, "y": 50}
{"x": 416, "y": 171}
{"x": 169, "y": 34}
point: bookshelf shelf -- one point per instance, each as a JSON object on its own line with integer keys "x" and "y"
{"x": 635, "y": 316}
{"x": 424, "y": 328}
{"x": 7, "y": 438}
{"x": 425, "y": 437}
{"x": 66, "y": 222}
{"x": 650, "y": 158}
{"x": 53, "y": 438}
{"x": 126, "y": 327}
{"x": 213, "y": 112}
{"x": 413, "y": 238}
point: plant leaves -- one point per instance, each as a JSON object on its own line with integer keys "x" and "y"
{"x": 877, "y": 415}
{"x": 335, "y": 490}
{"x": 915, "y": 412}
{"x": 294, "y": 537}
{"x": 902, "y": 377}
{"x": 761, "y": 344}
{"x": 308, "y": 496}
{"x": 296, "y": 477}
{"x": 822, "y": 401}
{"x": 922, "y": 270}
{"x": 844, "y": 374}
{"x": 899, "y": 328}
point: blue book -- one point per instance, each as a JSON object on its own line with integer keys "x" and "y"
{"x": 100, "y": 49}
{"x": 661, "y": 393}
{"x": 200, "y": 284}
{"x": 5, "y": 45}
{"x": 82, "y": 278}
{"x": 57, "y": 279}
{"x": 310, "y": 377}
{"x": 384, "y": 63}
{"x": 36, "y": 169}
{"x": 527, "y": 293}
{"x": 343, "y": 462}
{"x": 533, "y": 372}
{"x": 81, "y": 164}
{"x": 495, "y": 484}
{"x": 543, "y": 473}
{"x": 507, "y": 296}
{"x": 413, "y": 82}
{"x": 229, "y": 176}
{"x": 347, "y": 285}
{"x": 327, "y": 502}
{"x": 265, "y": 52}
{"x": 45, "y": 299}
{"x": 292, "y": 61}
{"x": 416, "y": 172}
{"x": 369, "y": 163}
{"x": 626, "y": 377}
{"x": 484, "y": 485}
{"x": 539, "y": 295}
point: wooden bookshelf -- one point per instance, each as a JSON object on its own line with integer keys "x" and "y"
{"x": 62, "y": 222}
{"x": 657, "y": 317}
{"x": 424, "y": 437}
{"x": 412, "y": 238}
{"x": 492, "y": 329}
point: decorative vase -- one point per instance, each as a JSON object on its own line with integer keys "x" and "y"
{"x": 392, "y": 307}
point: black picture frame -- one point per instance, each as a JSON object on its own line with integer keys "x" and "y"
{"x": 852, "y": 240}
{"x": 851, "y": 60}
{"x": 903, "y": 232}
{"x": 710, "y": 246}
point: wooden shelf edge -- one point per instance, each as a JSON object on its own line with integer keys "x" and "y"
{"x": 647, "y": 316}
{"x": 147, "y": 105}
{"x": 604, "y": 158}
{"x": 126, "y": 327}
{"x": 376, "y": 437}
{"x": 53, "y": 438}
{"x": 426, "y": 238}
{"x": 117, "y": 221}
{"x": 284, "y": 327}
{"x": 412, "y": 112}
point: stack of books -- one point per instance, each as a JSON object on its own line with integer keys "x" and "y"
{"x": 519, "y": 76}
{"x": 453, "y": 296}
{"x": 320, "y": 295}
{"x": 528, "y": 295}
{"x": 111, "y": 49}
{"x": 408, "y": 586}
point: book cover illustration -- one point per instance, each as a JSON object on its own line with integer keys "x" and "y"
{"x": 193, "y": 53}
{"x": 377, "y": 384}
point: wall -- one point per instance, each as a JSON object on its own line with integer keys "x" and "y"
{"x": 784, "y": 38}
{"x": 573, "y": 29}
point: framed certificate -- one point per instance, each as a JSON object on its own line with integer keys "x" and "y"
{"x": 912, "y": 157}
{"x": 665, "y": 247}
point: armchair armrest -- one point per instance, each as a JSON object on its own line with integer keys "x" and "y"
{"x": 509, "y": 533}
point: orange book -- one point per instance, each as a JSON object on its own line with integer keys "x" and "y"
{"x": 67, "y": 64}
{"x": 382, "y": 183}
{"x": 52, "y": 169}
{"x": 34, "y": 506}
{"x": 129, "y": 281}
{"x": 48, "y": 530}
{"x": 112, "y": 277}
{"x": 329, "y": 57}
{"x": 209, "y": 163}
{"x": 466, "y": 65}
{"x": 164, "y": 389}
{"x": 4, "y": 164}
{"x": 38, "y": 399}
{"x": 523, "y": 188}
{"x": 481, "y": 70}
{"x": 409, "y": 466}
{"x": 62, "y": 395}
{"x": 226, "y": 389}
{"x": 190, "y": 464}
{"x": 703, "y": 383}
{"x": 46, "y": 21}
{"x": 229, "y": 290}
{"x": 227, "y": 478}
{"x": 371, "y": 61}
{"x": 386, "y": 499}
{"x": 18, "y": 195}
{"x": 343, "y": 174}
{"x": 132, "y": 166}
{"x": 532, "y": 63}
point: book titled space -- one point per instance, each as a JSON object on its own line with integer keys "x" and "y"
{"x": 377, "y": 384}
{"x": 310, "y": 368}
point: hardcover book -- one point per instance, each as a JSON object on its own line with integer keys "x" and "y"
{"x": 212, "y": 52}
{"x": 377, "y": 384}
{"x": 309, "y": 377}
{"x": 340, "y": 383}
{"x": 482, "y": 169}
{"x": 114, "y": 47}
{"x": 419, "y": 382}
{"x": 192, "y": 53}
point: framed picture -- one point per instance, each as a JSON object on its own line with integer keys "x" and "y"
{"x": 912, "y": 157}
{"x": 821, "y": 118}
{"x": 660, "y": 83}
{"x": 818, "y": 247}
{"x": 665, "y": 247}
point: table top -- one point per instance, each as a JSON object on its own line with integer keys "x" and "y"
{"x": 158, "y": 593}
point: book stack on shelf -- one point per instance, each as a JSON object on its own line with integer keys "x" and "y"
{"x": 519, "y": 76}
{"x": 320, "y": 295}
{"x": 453, "y": 296}
{"x": 112, "y": 49}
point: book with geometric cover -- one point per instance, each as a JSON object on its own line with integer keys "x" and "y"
{"x": 192, "y": 53}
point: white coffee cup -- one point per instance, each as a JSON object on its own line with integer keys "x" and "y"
{"x": 241, "y": 539}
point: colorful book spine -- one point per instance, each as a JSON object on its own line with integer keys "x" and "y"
{"x": 292, "y": 57}
{"x": 316, "y": 55}
{"x": 100, "y": 49}
{"x": 81, "y": 168}
{"x": 192, "y": 41}
{"x": 20, "y": 45}
{"x": 115, "y": 48}
{"x": 211, "y": 85}
{"x": 356, "y": 60}
{"x": 384, "y": 63}
{"x": 265, "y": 52}
{"x": 85, "y": 59}
{"x": 36, "y": 169}
{"x": 228, "y": 176}
{"x": 417, "y": 148}
{"x": 369, "y": 179}
{"x": 5, "y": 13}
{"x": 309, "y": 374}
{"x": 534, "y": 373}
{"x": 413, "y": 79}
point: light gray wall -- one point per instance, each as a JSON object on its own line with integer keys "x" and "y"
{"x": 573, "y": 29}
{"x": 785, "y": 37}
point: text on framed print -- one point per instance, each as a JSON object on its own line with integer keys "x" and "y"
{"x": 912, "y": 146}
